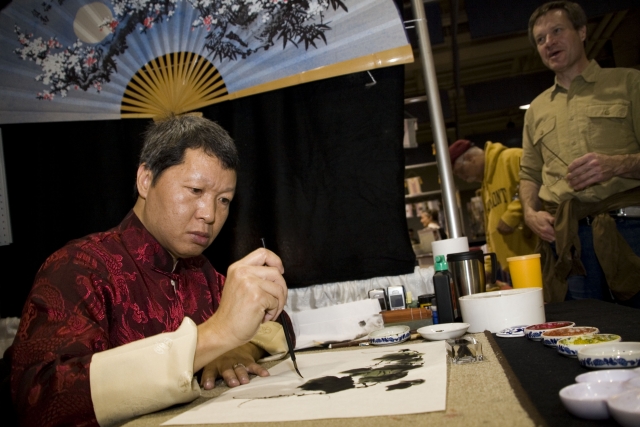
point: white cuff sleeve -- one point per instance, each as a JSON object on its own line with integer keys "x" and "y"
{"x": 270, "y": 337}
{"x": 144, "y": 376}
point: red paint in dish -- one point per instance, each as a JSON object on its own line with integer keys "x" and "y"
{"x": 549, "y": 325}
{"x": 570, "y": 332}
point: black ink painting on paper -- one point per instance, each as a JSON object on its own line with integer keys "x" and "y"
{"x": 338, "y": 384}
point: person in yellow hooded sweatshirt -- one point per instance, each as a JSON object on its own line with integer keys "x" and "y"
{"x": 497, "y": 168}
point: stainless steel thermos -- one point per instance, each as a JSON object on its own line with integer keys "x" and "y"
{"x": 467, "y": 269}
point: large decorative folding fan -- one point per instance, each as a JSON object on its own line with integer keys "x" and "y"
{"x": 87, "y": 60}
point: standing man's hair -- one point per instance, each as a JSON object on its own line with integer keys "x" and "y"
{"x": 166, "y": 141}
{"x": 574, "y": 12}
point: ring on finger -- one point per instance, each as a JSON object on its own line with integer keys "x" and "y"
{"x": 239, "y": 364}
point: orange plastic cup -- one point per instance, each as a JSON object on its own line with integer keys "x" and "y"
{"x": 525, "y": 271}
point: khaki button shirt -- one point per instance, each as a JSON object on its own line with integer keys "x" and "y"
{"x": 600, "y": 112}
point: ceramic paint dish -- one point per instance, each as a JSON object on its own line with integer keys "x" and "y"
{"x": 607, "y": 376}
{"x": 534, "y": 332}
{"x": 512, "y": 332}
{"x": 625, "y": 408}
{"x": 390, "y": 335}
{"x": 551, "y": 338}
{"x": 443, "y": 331}
{"x": 589, "y": 400}
{"x": 610, "y": 356}
{"x": 632, "y": 383}
{"x": 570, "y": 346}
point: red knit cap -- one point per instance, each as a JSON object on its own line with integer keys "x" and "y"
{"x": 458, "y": 148}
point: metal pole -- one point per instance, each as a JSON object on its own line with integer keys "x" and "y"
{"x": 437, "y": 122}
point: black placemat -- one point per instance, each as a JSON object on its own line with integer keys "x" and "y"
{"x": 543, "y": 372}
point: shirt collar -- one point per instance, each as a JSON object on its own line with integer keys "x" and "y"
{"x": 589, "y": 75}
{"x": 144, "y": 248}
{"x": 592, "y": 72}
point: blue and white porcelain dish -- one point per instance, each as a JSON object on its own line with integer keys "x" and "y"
{"x": 551, "y": 338}
{"x": 512, "y": 332}
{"x": 611, "y": 356}
{"x": 570, "y": 346}
{"x": 390, "y": 335}
{"x": 534, "y": 332}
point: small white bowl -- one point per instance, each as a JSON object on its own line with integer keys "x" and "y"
{"x": 570, "y": 346}
{"x": 534, "y": 332}
{"x": 608, "y": 356}
{"x": 443, "y": 331}
{"x": 551, "y": 338}
{"x": 589, "y": 400}
{"x": 632, "y": 383}
{"x": 608, "y": 376}
{"x": 625, "y": 408}
{"x": 390, "y": 335}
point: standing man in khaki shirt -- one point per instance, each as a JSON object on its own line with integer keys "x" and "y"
{"x": 580, "y": 171}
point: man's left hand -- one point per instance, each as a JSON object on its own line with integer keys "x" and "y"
{"x": 504, "y": 228}
{"x": 590, "y": 169}
{"x": 234, "y": 367}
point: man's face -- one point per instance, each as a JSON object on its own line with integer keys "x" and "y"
{"x": 189, "y": 203}
{"x": 470, "y": 166}
{"x": 560, "y": 46}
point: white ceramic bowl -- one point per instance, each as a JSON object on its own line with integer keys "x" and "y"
{"x": 443, "y": 331}
{"x": 632, "y": 383}
{"x": 607, "y": 356}
{"x": 625, "y": 408}
{"x": 497, "y": 310}
{"x": 570, "y": 346}
{"x": 610, "y": 375}
{"x": 589, "y": 400}
{"x": 390, "y": 335}
{"x": 534, "y": 332}
{"x": 551, "y": 338}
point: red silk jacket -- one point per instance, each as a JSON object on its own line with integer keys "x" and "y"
{"x": 96, "y": 293}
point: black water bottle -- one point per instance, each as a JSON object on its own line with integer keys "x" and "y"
{"x": 445, "y": 291}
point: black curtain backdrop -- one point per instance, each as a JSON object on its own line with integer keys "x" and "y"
{"x": 321, "y": 179}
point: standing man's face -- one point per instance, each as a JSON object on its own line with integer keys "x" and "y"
{"x": 560, "y": 46}
{"x": 189, "y": 203}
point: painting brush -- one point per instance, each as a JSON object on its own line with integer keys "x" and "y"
{"x": 286, "y": 326}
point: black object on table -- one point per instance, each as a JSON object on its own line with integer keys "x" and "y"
{"x": 543, "y": 372}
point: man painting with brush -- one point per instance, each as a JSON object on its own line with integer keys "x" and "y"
{"x": 118, "y": 322}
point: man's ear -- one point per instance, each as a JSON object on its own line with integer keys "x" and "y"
{"x": 144, "y": 179}
{"x": 582, "y": 32}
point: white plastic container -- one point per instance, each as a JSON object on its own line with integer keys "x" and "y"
{"x": 494, "y": 311}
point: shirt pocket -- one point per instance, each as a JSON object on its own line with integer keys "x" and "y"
{"x": 610, "y": 129}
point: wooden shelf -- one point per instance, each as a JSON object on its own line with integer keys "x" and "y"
{"x": 425, "y": 194}
{"x": 420, "y": 165}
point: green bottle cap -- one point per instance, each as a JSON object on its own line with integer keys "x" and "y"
{"x": 441, "y": 263}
